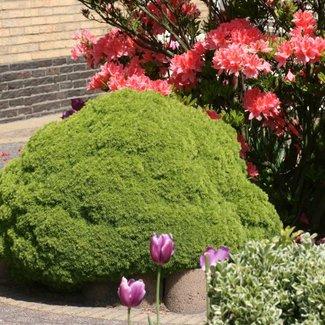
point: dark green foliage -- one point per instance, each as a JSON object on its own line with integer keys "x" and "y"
{"x": 86, "y": 195}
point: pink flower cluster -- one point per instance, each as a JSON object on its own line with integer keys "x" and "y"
{"x": 266, "y": 105}
{"x": 236, "y": 45}
{"x": 111, "y": 47}
{"x": 235, "y": 59}
{"x": 260, "y": 104}
{"x": 280, "y": 125}
{"x": 4, "y": 156}
{"x": 304, "y": 46}
{"x": 305, "y": 23}
{"x": 251, "y": 169}
{"x": 114, "y": 76}
{"x": 238, "y": 31}
{"x": 184, "y": 67}
{"x": 84, "y": 47}
{"x": 244, "y": 146}
{"x": 213, "y": 115}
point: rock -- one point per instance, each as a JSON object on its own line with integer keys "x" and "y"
{"x": 185, "y": 292}
{"x": 101, "y": 293}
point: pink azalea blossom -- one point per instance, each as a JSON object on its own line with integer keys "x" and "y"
{"x": 84, "y": 47}
{"x": 276, "y": 123}
{"x": 101, "y": 78}
{"x": 113, "y": 46}
{"x": 213, "y": 115}
{"x": 290, "y": 76}
{"x": 260, "y": 104}
{"x": 284, "y": 51}
{"x": 244, "y": 146}
{"x": 310, "y": 49}
{"x": 306, "y": 50}
{"x": 190, "y": 9}
{"x": 260, "y": 46}
{"x": 251, "y": 170}
{"x": 252, "y": 65}
{"x": 305, "y": 20}
{"x": 238, "y": 31}
{"x": 235, "y": 59}
{"x": 184, "y": 68}
{"x": 114, "y": 76}
{"x": 229, "y": 59}
{"x": 174, "y": 45}
{"x": 303, "y": 46}
{"x": 162, "y": 86}
{"x": 160, "y": 10}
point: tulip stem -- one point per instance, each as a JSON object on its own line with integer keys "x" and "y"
{"x": 129, "y": 316}
{"x": 158, "y": 295}
{"x": 207, "y": 280}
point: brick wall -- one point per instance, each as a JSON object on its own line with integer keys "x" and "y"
{"x": 36, "y": 75}
{"x": 203, "y": 8}
{"x": 41, "y": 87}
{"x": 39, "y": 29}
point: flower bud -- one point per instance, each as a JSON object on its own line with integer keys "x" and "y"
{"x": 161, "y": 248}
{"x": 215, "y": 255}
{"x": 131, "y": 292}
{"x": 77, "y": 104}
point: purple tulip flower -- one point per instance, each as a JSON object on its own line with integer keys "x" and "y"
{"x": 67, "y": 113}
{"x": 215, "y": 255}
{"x": 77, "y": 104}
{"x": 161, "y": 248}
{"x": 131, "y": 292}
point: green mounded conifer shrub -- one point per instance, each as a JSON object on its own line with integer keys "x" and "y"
{"x": 270, "y": 282}
{"x": 83, "y": 200}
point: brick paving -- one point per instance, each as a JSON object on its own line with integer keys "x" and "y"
{"x": 18, "y": 307}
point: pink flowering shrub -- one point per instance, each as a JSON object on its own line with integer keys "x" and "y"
{"x": 259, "y": 65}
{"x": 4, "y": 156}
{"x": 260, "y": 104}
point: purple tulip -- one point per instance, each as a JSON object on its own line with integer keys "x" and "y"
{"x": 161, "y": 248}
{"x": 131, "y": 292}
{"x": 77, "y": 104}
{"x": 67, "y": 113}
{"x": 222, "y": 253}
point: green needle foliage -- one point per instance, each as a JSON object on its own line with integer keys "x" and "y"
{"x": 88, "y": 192}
